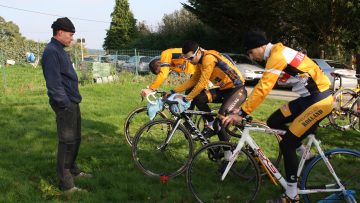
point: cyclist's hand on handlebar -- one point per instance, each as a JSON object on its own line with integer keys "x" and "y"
{"x": 166, "y": 95}
{"x": 231, "y": 119}
{"x": 145, "y": 92}
{"x": 179, "y": 97}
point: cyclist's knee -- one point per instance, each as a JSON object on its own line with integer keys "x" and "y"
{"x": 201, "y": 98}
{"x": 274, "y": 121}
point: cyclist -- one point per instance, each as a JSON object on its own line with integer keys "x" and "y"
{"x": 221, "y": 71}
{"x": 304, "y": 113}
{"x": 170, "y": 59}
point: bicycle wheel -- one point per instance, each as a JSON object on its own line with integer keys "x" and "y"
{"x": 205, "y": 170}
{"x": 355, "y": 115}
{"x": 339, "y": 117}
{"x": 135, "y": 120}
{"x": 153, "y": 159}
{"x": 346, "y": 164}
{"x": 269, "y": 143}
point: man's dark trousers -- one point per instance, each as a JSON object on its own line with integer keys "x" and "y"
{"x": 68, "y": 121}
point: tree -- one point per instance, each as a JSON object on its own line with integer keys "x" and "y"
{"x": 232, "y": 18}
{"x": 315, "y": 25}
{"x": 177, "y": 27}
{"x": 9, "y": 31}
{"x": 13, "y": 45}
{"x": 326, "y": 25}
{"x": 122, "y": 28}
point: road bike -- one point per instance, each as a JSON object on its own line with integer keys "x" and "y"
{"x": 164, "y": 147}
{"x": 332, "y": 175}
{"x": 345, "y": 115}
{"x": 139, "y": 116}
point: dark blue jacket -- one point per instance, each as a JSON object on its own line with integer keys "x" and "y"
{"x": 60, "y": 76}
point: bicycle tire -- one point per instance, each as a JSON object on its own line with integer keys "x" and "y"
{"x": 138, "y": 117}
{"x": 339, "y": 116}
{"x": 270, "y": 143}
{"x": 346, "y": 164}
{"x": 355, "y": 115}
{"x": 204, "y": 178}
{"x": 169, "y": 161}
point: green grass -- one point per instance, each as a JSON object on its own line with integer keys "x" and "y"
{"x": 28, "y": 144}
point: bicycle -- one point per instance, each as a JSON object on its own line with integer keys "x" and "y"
{"x": 239, "y": 179}
{"x": 164, "y": 147}
{"x": 355, "y": 113}
{"x": 345, "y": 115}
{"x": 138, "y": 117}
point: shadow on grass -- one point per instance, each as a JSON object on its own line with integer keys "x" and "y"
{"x": 28, "y": 154}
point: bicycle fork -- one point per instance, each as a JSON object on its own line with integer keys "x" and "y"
{"x": 169, "y": 135}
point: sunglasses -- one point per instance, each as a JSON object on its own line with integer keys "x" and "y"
{"x": 190, "y": 58}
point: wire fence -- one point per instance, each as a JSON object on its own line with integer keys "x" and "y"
{"x": 105, "y": 67}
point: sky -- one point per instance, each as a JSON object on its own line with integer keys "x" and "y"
{"x": 90, "y": 17}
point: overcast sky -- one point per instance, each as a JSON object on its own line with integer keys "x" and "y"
{"x": 90, "y": 17}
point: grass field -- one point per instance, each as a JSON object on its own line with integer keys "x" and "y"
{"x": 28, "y": 144}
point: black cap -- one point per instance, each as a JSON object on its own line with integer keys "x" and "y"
{"x": 63, "y": 24}
{"x": 254, "y": 38}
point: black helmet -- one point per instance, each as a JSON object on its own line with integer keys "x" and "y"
{"x": 254, "y": 38}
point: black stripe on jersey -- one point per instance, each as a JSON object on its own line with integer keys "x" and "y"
{"x": 231, "y": 73}
{"x": 311, "y": 85}
{"x": 176, "y": 55}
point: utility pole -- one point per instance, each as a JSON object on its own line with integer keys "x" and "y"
{"x": 81, "y": 41}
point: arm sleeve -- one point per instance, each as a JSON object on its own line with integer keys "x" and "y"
{"x": 56, "y": 91}
{"x": 207, "y": 68}
{"x": 160, "y": 78}
{"x": 189, "y": 83}
{"x": 272, "y": 72}
{"x": 165, "y": 63}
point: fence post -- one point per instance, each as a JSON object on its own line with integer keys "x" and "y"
{"x": 136, "y": 62}
{"x": 2, "y": 62}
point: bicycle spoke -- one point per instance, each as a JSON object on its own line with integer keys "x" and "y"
{"x": 135, "y": 120}
{"x": 204, "y": 176}
{"x": 155, "y": 157}
{"x": 339, "y": 117}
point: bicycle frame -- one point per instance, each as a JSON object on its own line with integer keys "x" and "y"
{"x": 246, "y": 138}
{"x": 185, "y": 116}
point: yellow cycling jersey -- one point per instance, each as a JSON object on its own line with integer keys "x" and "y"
{"x": 295, "y": 68}
{"x": 213, "y": 67}
{"x": 171, "y": 59}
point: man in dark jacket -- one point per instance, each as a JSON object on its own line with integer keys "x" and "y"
{"x": 64, "y": 98}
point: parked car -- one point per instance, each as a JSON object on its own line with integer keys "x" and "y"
{"x": 104, "y": 59}
{"x": 139, "y": 63}
{"x": 90, "y": 58}
{"x": 329, "y": 67}
{"x": 119, "y": 60}
{"x": 251, "y": 71}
